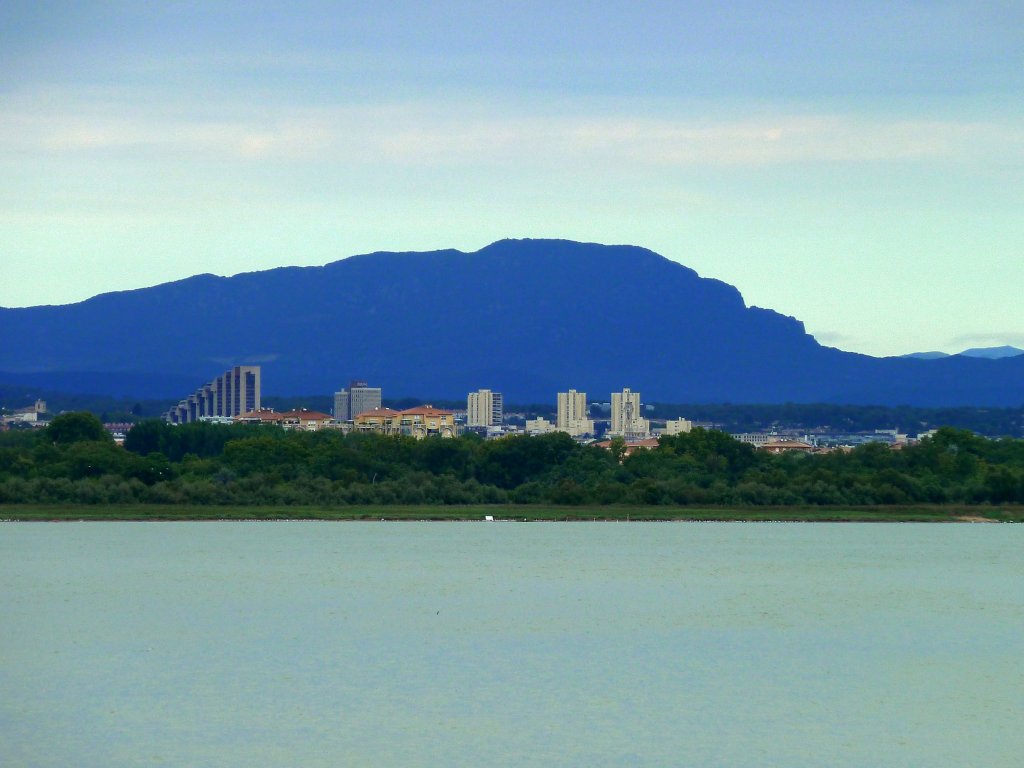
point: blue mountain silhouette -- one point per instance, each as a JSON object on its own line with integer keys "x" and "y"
{"x": 525, "y": 317}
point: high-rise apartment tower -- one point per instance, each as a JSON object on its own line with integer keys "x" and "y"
{"x": 573, "y": 414}
{"x": 484, "y": 408}
{"x": 627, "y": 421}
{"x": 358, "y": 398}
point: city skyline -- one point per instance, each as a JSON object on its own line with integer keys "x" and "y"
{"x": 797, "y": 151}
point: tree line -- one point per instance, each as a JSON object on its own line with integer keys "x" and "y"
{"x": 739, "y": 417}
{"x": 74, "y": 460}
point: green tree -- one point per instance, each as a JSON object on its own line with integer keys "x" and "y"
{"x": 146, "y": 437}
{"x": 77, "y": 427}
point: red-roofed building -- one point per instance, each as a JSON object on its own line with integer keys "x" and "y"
{"x": 305, "y": 420}
{"x": 426, "y": 421}
{"x": 381, "y": 420}
{"x": 419, "y": 422}
{"x": 261, "y": 416}
{"x": 300, "y": 419}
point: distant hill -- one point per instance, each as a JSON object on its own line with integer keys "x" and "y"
{"x": 987, "y": 353}
{"x": 525, "y": 317}
{"x": 993, "y": 353}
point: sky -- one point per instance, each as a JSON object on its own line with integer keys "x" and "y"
{"x": 859, "y": 166}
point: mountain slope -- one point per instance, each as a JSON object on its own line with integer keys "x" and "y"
{"x": 526, "y": 317}
{"x": 989, "y": 353}
{"x": 993, "y": 353}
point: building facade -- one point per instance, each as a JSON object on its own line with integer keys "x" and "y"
{"x": 380, "y": 420}
{"x": 300, "y": 419}
{"x": 540, "y": 426}
{"x": 234, "y": 392}
{"x": 426, "y": 421}
{"x": 30, "y": 414}
{"x": 358, "y": 398}
{"x": 678, "y": 426}
{"x": 756, "y": 439}
{"x": 419, "y": 422}
{"x": 484, "y": 408}
{"x": 626, "y": 419}
{"x": 573, "y": 414}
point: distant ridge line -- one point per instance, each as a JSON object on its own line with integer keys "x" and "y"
{"x": 527, "y": 317}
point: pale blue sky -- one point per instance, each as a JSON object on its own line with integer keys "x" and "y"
{"x": 859, "y": 166}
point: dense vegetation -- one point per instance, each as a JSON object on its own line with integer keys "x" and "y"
{"x": 73, "y": 460}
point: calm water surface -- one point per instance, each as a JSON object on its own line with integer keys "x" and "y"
{"x": 473, "y": 644}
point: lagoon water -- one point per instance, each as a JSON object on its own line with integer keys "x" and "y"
{"x": 548, "y": 644}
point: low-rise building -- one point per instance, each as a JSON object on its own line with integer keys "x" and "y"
{"x": 540, "y": 426}
{"x": 260, "y": 416}
{"x": 305, "y": 420}
{"x": 756, "y": 439}
{"x": 118, "y": 430}
{"x": 787, "y": 446}
{"x": 31, "y": 414}
{"x": 426, "y": 421}
{"x": 631, "y": 446}
{"x": 301, "y": 419}
{"x": 419, "y": 422}
{"x": 678, "y": 426}
{"x": 379, "y": 420}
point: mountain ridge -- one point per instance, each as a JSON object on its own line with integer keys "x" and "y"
{"x": 526, "y": 317}
{"x": 989, "y": 353}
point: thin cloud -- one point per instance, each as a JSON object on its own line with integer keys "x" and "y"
{"x": 832, "y": 337}
{"x": 415, "y": 134}
{"x": 1012, "y": 338}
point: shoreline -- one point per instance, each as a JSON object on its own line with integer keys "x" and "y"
{"x": 508, "y": 513}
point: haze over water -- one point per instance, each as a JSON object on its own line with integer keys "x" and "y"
{"x": 404, "y": 644}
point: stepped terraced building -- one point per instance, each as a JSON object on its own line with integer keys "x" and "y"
{"x": 234, "y": 392}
